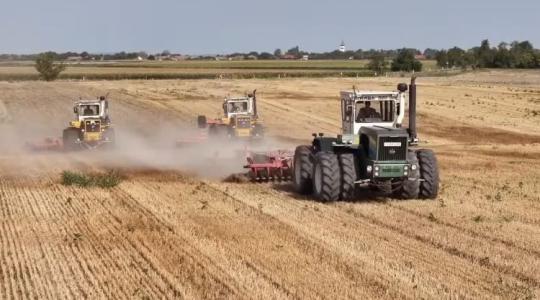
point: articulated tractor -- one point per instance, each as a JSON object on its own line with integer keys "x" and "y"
{"x": 92, "y": 128}
{"x": 240, "y": 119}
{"x": 373, "y": 150}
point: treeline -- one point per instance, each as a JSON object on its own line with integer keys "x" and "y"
{"x": 514, "y": 55}
{"x": 81, "y": 56}
{"x": 505, "y": 55}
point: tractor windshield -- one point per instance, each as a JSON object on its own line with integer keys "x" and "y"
{"x": 89, "y": 110}
{"x": 237, "y": 107}
{"x": 375, "y": 111}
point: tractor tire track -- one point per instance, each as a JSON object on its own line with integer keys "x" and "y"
{"x": 222, "y": 287}
{"x": 114, "y": 231}
{"x": 436, "y": 265}
{"x": 468, "y": 231}
{"x": 293, "y": 239}
{"x": 249, "y": 261}
{"x": 14, "y": 195}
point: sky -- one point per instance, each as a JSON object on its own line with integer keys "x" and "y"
{"x": 216, "y": 27}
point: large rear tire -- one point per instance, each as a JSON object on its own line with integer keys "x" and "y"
{"x": 429, "y": 173}
{"x": 201, "y": 122}
{"x": 70, "y": 138}
{"x": 303, "y": 166}
{"x": 326, "y": 177}
{"x": 348, "y": 176}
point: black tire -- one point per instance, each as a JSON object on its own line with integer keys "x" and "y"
{"x": 429, "y": 173}
{"x": 302, "y": 168}
{"x": 201, "y": 122}
{"x": 326, "y": 177}
{"x": 258, "y": 131}
{"x": 348, "y": 176}
{"x": 110, "y": 136}
{"x": 409, "y": 188}
{"x": 218, "y": 131}
{"x": 385, "y": 187}
{"x": 70, "y": 136}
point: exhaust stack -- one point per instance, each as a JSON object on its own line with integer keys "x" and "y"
{"x": 412, "y": 111}
{"x": 254, "y": 103}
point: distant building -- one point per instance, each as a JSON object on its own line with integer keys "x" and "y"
{"x": 420, "y": 57}
{"x": 178, "y": 57}
{"x": 74, "y": 58}
{"x": 288, "y": 56}
{"x": 342, "y": 47}
{"x": 305, "y": 57}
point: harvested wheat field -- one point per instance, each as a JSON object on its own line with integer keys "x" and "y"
{"x": 174, "y": 229}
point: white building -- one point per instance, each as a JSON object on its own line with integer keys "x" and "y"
{"x": 342, "y": 47}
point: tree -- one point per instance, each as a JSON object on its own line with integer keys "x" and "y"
{"x": 266, "y": 55}
{"x": 46, "y": 67}
{"x": 442, "y": 59}
{"x": 294, "y": 51}
{"x": 522, "y": 55}
{"x": 456, "y": 57}
{"x": 278, "y": 53}
{"x": 485, "y": 55}
{"x": 431, "y": 53}
{"x": 378, "y": 63}
{"x": 405, "y": 61}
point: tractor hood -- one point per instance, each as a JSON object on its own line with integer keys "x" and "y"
{"x": 384, "y": 143}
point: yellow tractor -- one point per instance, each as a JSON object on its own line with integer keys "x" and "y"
{"x": 92, "y": 128}
{"x": 240, "y": 119}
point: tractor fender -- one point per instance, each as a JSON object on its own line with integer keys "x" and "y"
{"x": 324, "y": 144}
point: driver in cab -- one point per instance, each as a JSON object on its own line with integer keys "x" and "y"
{"x": 367, "y": 112}
{"x": 88, "y": 111}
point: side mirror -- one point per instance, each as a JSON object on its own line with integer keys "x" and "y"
{"x": 75, "y": 110}
{"x": 402, "y": 87}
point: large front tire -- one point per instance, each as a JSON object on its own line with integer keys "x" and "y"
{"x": 110, "y": 138}
{"x": 303, "y": 166}
{"x": 429, "y": 173}
{"x": 409, "y": 187}
{"x": 70, "y": 138}
{"x": 326, "y": 177}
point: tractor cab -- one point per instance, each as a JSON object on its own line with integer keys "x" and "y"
{"x": 238, "y": 106}
{"x": 92, "y": 109}
{"x": 92, "y": 127}
{"x": 361, "y": 109}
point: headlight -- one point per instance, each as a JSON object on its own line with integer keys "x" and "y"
{"x": 369, "y": 168}
{"x": 405, "y": 173}
{"x": 405, "y": 167}
{"x": 376, "y": 174}
{"x": 376, "y": 168}
{"x": 414, "y": 167}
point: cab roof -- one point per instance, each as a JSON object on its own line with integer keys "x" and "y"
{"x": 369, "y": 95}
{"x": 79, "y": 102}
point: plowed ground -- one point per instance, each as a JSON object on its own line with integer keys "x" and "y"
{"x": 174, "y": 229}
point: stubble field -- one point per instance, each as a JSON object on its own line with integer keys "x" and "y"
{"x": 173, "y": 228}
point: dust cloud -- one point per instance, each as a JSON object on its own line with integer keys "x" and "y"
{"x": 160, "y": 146}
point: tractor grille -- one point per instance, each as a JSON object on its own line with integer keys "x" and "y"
{"x": 243, "y": 122}
{"x": 392, "y": 148}
{"x": 92, "y": 126}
